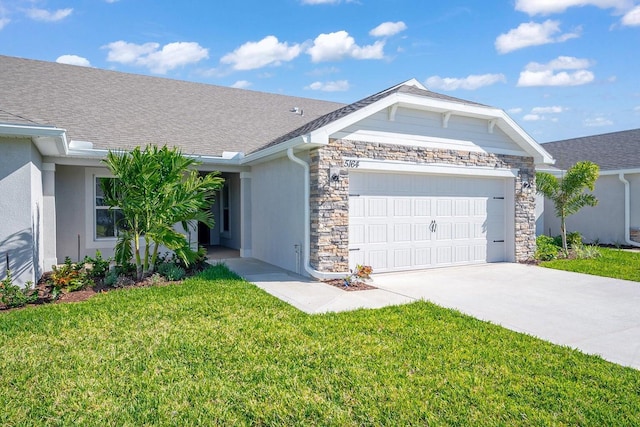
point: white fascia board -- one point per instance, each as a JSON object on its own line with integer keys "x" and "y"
{"x": 374, "y": 165}
{"x": 302, "y": 141}
{"x": 49, "y": 140}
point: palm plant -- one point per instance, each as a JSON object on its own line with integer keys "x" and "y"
{"x": 155, "y": 189}
{"x": 568, "y": 192}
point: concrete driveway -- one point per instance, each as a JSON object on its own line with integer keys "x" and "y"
{"x": 594, "y": 314}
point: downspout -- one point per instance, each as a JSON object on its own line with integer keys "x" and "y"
{"x": 627, "y": 212}
{"x": 320, "y": 275}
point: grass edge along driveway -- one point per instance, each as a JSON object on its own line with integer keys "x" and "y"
{"x": 216, "y": 350}
{"x": 614, "y": 263}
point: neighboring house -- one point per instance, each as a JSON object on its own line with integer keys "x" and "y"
{"x": 616, "y": 218}
{"x": 403, "y": 179}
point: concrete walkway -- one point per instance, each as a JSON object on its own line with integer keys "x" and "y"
{"x": 594, "y": 314}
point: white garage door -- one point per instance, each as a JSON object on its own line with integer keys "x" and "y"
{"x": 403, "y": 222}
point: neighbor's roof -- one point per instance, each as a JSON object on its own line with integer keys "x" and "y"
{"x": 610, "y": 151}
{"x": 116, "y": 110}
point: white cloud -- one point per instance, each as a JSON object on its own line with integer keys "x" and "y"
{"x": 532, "y": 34}
{"x": 536, "y": 74}
{"x": 158, "y": 60}
{"x": 546, "y": 7}
{"x": 471, "y": 82}
{"x": 3, "y": 22}
{"x": 548, "y": 110}
{"x": 335, "y": 86}
{"x": 387, "y": 29}
{"x": 598, "y": 121}
{"x": 340, "y": 45}
{"x": 241, "y": 84}
{"x": 268, "y": 51}
{"x": 516, "y": 110}
{"x": 46, "y": 16}
{"x": 73, "y": 60}
{"x": 637, "y": 109}
{"x": 632, "y": 18}
{"x": 532, "y": 118}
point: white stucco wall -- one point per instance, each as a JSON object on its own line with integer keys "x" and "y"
{"x": 277, "y": 199}
{"x": 603, "y": 223}
{"x": 20, "y": 210}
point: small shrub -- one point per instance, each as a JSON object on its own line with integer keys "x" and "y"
{"x": 586, "y": 252}
{"x": 69, "y": 276}
{"x": 171, "y": 271}
{"x": 12, "y": 295}
{"x": 99, "y": 266}
{"x": 547, "y": 248}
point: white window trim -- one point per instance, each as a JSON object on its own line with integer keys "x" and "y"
{"x": 91, "y": 241}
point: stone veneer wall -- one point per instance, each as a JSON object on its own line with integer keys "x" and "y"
{"x": 330, "y": 200}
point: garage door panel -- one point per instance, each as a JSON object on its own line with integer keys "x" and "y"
{"x": 377, "y": 207}
{"x": 377, "y": 233}
{"x": 462, "y": 231}
{"x": 421, "y": 232}
{"x": 402, "y": 207}
{"x": 401, "y": 233}
{"x": 377, "y": 259}
{"x": 403, "y": 221}
{"x": 422, "y": 207}
{"x": 402, "y": 258}
{"x": 422, "y": 257}
{"x": 356, "y": 234}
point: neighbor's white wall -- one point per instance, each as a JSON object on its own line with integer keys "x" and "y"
{"x": 603, "y": 223}
{"x": 20, "y": 201}
{"x": 277, "y": 211}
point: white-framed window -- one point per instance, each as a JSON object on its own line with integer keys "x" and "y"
{"x": 100, "y": 225}
{"x": 105, "y": 221}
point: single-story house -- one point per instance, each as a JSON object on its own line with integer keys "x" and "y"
{"x": 403, "y": 179}
{"x": 616, "y": 218}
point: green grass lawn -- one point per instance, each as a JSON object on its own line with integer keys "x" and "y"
{"x": 216, "y": 350}
{"x": 614, "y": 263}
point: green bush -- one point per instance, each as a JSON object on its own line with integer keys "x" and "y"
{"x": 171, "y": 271}
{"x": 12, "y": 295}
{"x": 546, "y": 248}
{"x": 99, "y": 266}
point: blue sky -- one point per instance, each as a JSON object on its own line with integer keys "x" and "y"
{"x": 560, "y": 68}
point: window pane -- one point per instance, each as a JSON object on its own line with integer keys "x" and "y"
{"x": 99, "y": 192}
{"x": 105, "y": 223}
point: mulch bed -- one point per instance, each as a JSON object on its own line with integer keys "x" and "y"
{"x": 353, "y": 286}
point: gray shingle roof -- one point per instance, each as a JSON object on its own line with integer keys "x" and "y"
{"x": 610, "y": 151}
{"x": 115, "y": 110}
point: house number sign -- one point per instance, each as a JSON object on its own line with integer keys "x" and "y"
{"x": 352, "y": 163}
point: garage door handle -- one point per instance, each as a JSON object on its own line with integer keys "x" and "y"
{"x": 354, "y": 249}
{"x": 433, "y": 226}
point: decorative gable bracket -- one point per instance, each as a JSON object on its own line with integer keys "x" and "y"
{"x": 445, "y": 119}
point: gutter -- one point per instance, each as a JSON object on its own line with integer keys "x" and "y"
{"x": 307, "y": 230}
{"x": 627, "y": 212}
